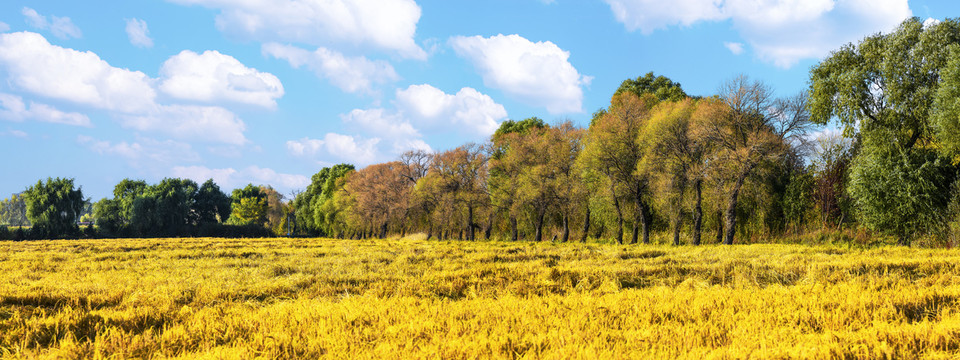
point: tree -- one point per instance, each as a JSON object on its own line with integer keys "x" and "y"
{"x": 505, "y": 166}
{"x": 381, "y": 195}
{"x": 249, "y": 206}
{"x": 895, "y": 93}
{"x": 752, "y": 129}
{"x": 612, "y": 149}
{"x": 678, "y": 156}
{"x": 211, "y": 204}
{"x": 54, "y": 206}
{"x": 461, "y": 177}
{"x": 13, "y": 211}
{"x": 660, "y": 87}
{"x": 308, "y": 216}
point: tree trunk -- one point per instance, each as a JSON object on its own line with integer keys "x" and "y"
{"x": 644, "y": 216}
{"x": 383, "y": 231}
{"x": 429, "y": 232}
{"x": 539, "y": 235}
{"x": 586, "y": 226}
{"x": 636, "y": 231}
{"x": 566, "y": 229}
{"x": 730, "y": 216}
{"x": 513, "y": 226}
{"x": 616, "y": 205}
{"x": 470, "y": 223}
{"x": 697, "y": 210}
{"x": 460, "y": 237}
{"x": 486, "y": 231}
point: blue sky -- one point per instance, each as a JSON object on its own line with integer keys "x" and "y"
{"x": 269, "y": 92}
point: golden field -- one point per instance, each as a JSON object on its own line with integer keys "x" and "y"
{"x": 303, "y": 298}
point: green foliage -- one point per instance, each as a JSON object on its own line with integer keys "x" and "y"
{"x": 519, "y": 127}
{"x": 797, "y": 199}
{"x": 660, "y": 87}
{"x": 249, "y": 206}
{"x": 13, "y": 211}
{"x": 946, "y": 118}
{"x": 107, "y": 214}
{"x": 54, "y": 207}
{"x": 884, "y": 87}
{"x": 308, "y": 206}
{"x": 211, "y": 204}
{"x": 901, "y": 193}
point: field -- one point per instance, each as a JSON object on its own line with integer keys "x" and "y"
{"x": 285, "y": 298}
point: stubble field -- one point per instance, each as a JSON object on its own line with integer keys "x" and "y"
{"x": 287, "y": 298}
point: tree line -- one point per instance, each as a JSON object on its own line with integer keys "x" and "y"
{"x": 740, "y": 164}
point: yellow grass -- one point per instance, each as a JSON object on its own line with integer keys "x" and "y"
{"x": 283, "y": 298}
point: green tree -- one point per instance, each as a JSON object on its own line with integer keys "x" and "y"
{"x": 13, "y": 211}
{"x": 211, "y": 204}
{"x": 660, "y": 87}
{"x": 54, "y": 207}
{"x": 249, "y": 206}
{"x": 896, "y": 93}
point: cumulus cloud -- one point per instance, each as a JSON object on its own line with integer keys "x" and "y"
{"x": 15, "y": 133}
{"x": 13, "y": 108}
{"x": 780, "y": 32}
{"x": 138, "y": 33}
{"x": 385, "y": 24}
{"x": 35, "y": 65}
{"x": 198, "y": 123}
{"x": 230, "y": 178}
{"x": 381, "y": 123}
{"x": 61, "y": 27}
{"x": 538, "y": 74}
{"x": 468, "y": 110}
{"x": 353, "y": 149}
{"x": 4, "y": 27}
{"x": 212, "y": 77}
{"x": 734, "y": 47}
{"x": 144, "y": 151}
{"x": 350, "y": 74}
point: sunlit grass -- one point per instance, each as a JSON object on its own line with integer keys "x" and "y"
{"x": 221, "y": 298}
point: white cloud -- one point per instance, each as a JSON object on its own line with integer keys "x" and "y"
{"x": 468, "y": 110}
{"x": 781, "y": 32}
{"x": 61, "y": 27}
{"x": 381, "y": 123}
{"x": 231, "y": 178}
{"x": 198, "y": 123}
{"x": 33, "y": 64}
{"x": 386, "y": 24}
{"x": 355, "y": 150}
{"x": 734, "y": 47}
{"x": 13, "y": 108}
{"x": 4, "y": 27}
{"x": 350, "y": 74}
{"x": 212, "y": 77}
{"x": 931, "y": 22}
{"x": 535, "y": 73}
{"x": 650, "y": 15}
{"x": 138, "y": 33}
{"x": 144, "y": 151}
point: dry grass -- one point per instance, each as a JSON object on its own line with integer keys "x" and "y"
{"x": 283, "y": 298}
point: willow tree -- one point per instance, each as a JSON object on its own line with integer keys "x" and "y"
{"x": 896, "y": 93}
